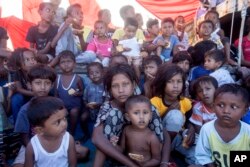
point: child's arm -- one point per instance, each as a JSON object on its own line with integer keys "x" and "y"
{"x": 155, "y": 147}
{"x": 72, "y": 153}
{"x": 29, "y": 156}
{"x": 83, "y": 44}
{"x": 80, "y": 87}
{"x": 65, "y": 25}
{"x": 23, "y": 91}
{"x": 104, "y": 145}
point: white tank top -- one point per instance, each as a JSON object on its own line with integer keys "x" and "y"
{"x": 59, "y": 158}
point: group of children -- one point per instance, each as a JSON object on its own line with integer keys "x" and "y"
{"x": 147, "y": 93}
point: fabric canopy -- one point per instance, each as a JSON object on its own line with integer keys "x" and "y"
{"x": 18, "y": 26}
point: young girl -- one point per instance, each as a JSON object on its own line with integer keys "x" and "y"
{"x": 101, "y": 44}
{"x": 52, "y": 144}
{"x": 120, "y": 82}
{"x": 69, "y": 87}
{"x": 168, "y": 87}
{"x": 20, "y": 61}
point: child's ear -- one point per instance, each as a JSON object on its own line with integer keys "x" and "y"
{"x": 127, "y": 117}
{"x": 38, "y": 130}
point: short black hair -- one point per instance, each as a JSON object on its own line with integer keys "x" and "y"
{"x": 41, "y": 108}
{"x": 217, "y": 55}
{"x": 204, "y": 22}
{"x": 181, "y": 56}
{"x": 152, "y": 22}
{"x": 136, "y": 99}
{"x": 71, "y": 7}
{"x": 167, "y": 20}
{"x": 234, "y": 89}
{"x": 204, "y": 79}
{"x": 213, "y": 12}
{"x": 131, "y": 22}
{"x": 43, "y": 4}
{"x": 67, "y": 54}
{"x": 199, "y": 50}
{"x": 41, "y": 71}
{"x": 101, "y": 12}
{"x": 152, "y": 58}
{"x": 97, "y": 64}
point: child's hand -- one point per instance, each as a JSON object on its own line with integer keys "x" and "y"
{"x": 126, "y": 49}
{"x": 114, "y": 140}
{"x": 92, "y": 105}
{"x": 150, "y": 77}
{"x": 78, "y": 32}
{"x": 190, "y": 136}
{"x": 69, "y": 21}
{"x": 161, "y": 43}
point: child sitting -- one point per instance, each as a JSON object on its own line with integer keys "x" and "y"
{"x": 48, "y": 117}
{"x": 41, "y": 79}
{"x": 138, "y": 135}
{"x": 184, "y": 61}
{"x": 41, "y": 35}
{"x": 214, "y": 59}
{"x": 73, "y": 36}
{"x": 20, "y": 62}
{"x": 128, "y": 44}
{"x": 93, "y": 95}
{"x": 167, "y": 42}
{"x": 203, "y": 111}
{"x": 69, "y": 88}
{"x": 179, "y": 24}
{"x": 227, "y": 133}
{"x": 150, "y": 66}
{"x": 101, "y": 45}
{"x": 151, "y": 33}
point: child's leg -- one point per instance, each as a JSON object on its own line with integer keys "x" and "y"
{"x": 81, "y": 151}
{"x": 100, "y": 158}
{"x": 84, "y": 123}
{"x": 74, "y": 113}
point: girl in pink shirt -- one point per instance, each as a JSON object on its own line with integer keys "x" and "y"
{"x": 101, "y": 45}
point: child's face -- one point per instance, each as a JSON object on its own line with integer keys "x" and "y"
{"x": 184, "y": 65}
{"x": 155, "y": 29}
{"x": 213, "y": 17}
{"x": 139, "y": 115}
{"x": 205, "y": 92}
{"x": 121, "y": 88}
{"x": 229, "y": 109}
{"x": 47, "y": 13}
{"x": 41, "y": 87}
{"x": 173, "y": 87}
{"x": 95, "y": 74}
{"x": 56, "y": 124}
{"x": 180, "y": 23}
{"x": 150, "y": 69}
{"x": 139, "y": 20}
{"x": 206, "y": 29}
{"x": 211, "y": 64}
{"x": 106, "y": 17}
{"x": 167, "y": 29}
{"x": 28, "y": 60}
{"x": 130, "y": 13}
{"x": 77, "y": 15}
{"x": 100, "y": 29}
{"x": 130, "y": 31}
{"x": 67, "y": 65}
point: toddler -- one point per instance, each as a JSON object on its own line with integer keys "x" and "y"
{"x": 101, "y": 45}
{"x": 214, "y": 59}
{"x": 138, "y": 135}
{"x": 48, "y": 117}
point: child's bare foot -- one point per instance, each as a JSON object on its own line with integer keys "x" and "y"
{"x": 82, "y": 152}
